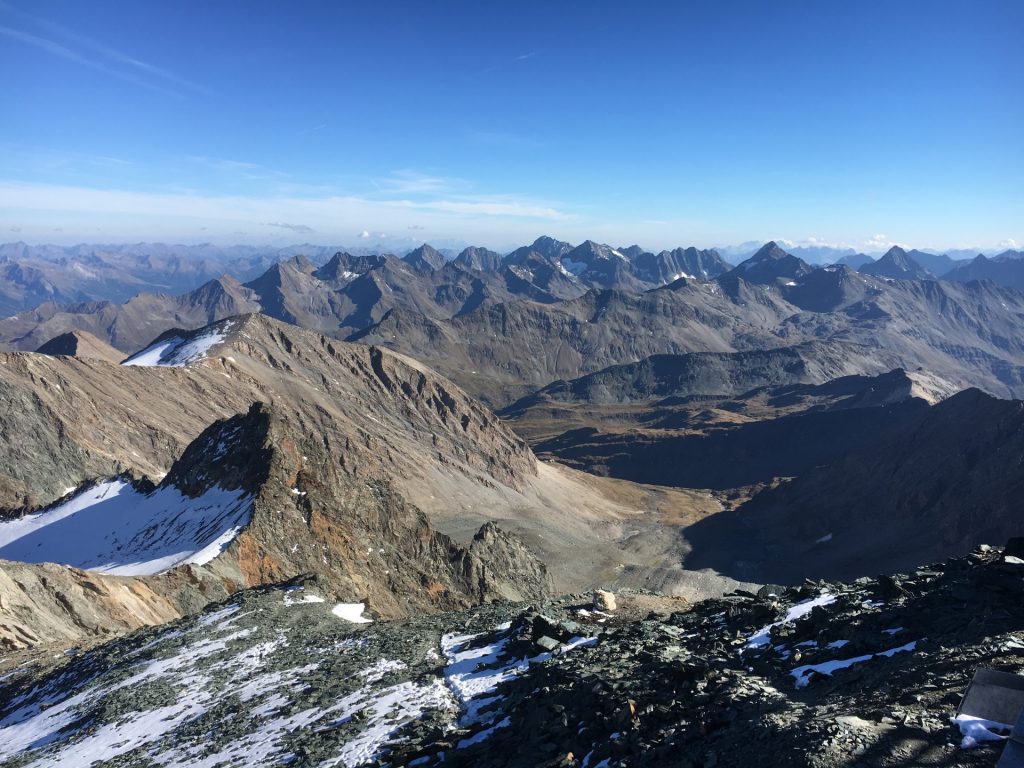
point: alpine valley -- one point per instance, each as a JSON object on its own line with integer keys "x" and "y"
{"x": 570, "y": 505}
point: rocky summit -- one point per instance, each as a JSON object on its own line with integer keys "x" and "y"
{"x": 824, "y": 674}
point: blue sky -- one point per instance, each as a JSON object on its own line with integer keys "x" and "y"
{"x": 660, "y": 123}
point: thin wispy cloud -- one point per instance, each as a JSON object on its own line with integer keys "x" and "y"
{"x": 879, "y": 243}
{"x": 236, "y": 168}
{"x": 62, "y": 51}
{"x": 134, "y": 214}
{"x": 301, "y": 229}
{"x": 49, "y": 46}
{"x": 132, "y": 69}
{"x": 410, "y": 182}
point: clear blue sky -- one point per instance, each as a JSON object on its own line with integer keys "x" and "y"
{"x": 663, "y": 123}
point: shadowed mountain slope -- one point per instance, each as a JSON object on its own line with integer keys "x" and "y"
{"x": 944, "y": 481}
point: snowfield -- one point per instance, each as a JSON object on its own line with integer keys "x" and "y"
{"x": 178, "y": 351}
{"x": 113, "y": 528}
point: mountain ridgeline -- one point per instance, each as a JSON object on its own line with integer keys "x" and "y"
{"x": 504, "y": 326}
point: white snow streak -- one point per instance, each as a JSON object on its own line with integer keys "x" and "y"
{"x": 798, "y": 611}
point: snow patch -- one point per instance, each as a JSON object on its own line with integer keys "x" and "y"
{"x": 289, "y": 600}
{"x": 474, "y": 674}
{"x": 113, "y": 528}
{"x": 975, "y": 730}
{"x": 351, "y": 612}
{"x": 762, "y": 637}
{"x": 803, "y": 674}
{"x": 574, "y": 267}
{"x": 177, "y": 351}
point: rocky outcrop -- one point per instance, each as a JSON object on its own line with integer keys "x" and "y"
{"x": 510, "y": 570}
{"x": 361, "y": 538}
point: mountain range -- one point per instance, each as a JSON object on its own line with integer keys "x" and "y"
{"x": 576, "y": 503}
{"x": 503, "y": 333}
{"x": 31, "y": 275}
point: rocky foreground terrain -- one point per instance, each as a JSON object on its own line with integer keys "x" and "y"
{"x": 824, "y": 674}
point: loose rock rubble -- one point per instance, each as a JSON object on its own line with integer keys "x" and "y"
{"x": 826, "y": 674}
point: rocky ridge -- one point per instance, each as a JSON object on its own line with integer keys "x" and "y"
{"x": 300, "y": 514}
{"x": 816, "y": 675}
{"x": 393, "y": 438}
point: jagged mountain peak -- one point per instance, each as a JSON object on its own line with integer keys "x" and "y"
{"x": 302, "y": 263}
{"x": 549, "y": 246}
{"x": 544, "y": 246}
{"x": 425, "y": 258}
{"x": 231, "y": 453}
{"x": 897, "y": 264}
{"x": 770, "y": 264}
{"x": 479, "y": 259}
{"x": 770, "y": 250}
{"x": 633, "y": 252}
{"x": 343, "y": 267}
{"x": 690, "y": 263}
